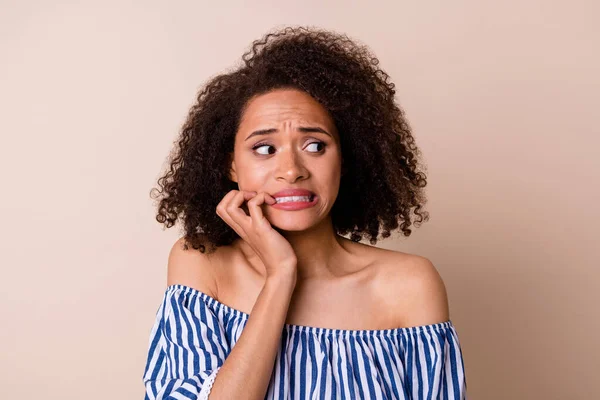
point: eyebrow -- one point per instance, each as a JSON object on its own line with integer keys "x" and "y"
{"x": 303, "y": 129}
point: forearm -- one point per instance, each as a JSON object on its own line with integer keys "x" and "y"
{"x": 247, "y": 370}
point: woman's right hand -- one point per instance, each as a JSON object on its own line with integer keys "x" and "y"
{"x": 271, "y": 247}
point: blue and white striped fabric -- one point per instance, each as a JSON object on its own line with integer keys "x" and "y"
{"x": 194, "y": 333}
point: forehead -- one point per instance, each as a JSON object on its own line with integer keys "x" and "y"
{"x": 285, "y": 104}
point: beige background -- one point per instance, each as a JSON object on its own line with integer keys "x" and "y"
{"x": 503, "y": 98}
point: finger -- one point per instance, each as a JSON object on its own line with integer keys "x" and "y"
{"x": 255, "y": 209}
{"x": 224, "y": 201}
{"x": 244, "y": 205}
{"x": 236, "y": 213}
{"x": 225, "y": 214}
{"x": 237, "y": 202}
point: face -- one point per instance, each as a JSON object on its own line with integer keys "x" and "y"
{"x": 287, "y": 140}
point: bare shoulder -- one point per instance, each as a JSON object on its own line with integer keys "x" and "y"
{"x": 415, "y": 286}
{"x": 191, "y": 268}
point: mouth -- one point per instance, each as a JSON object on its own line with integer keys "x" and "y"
{"x": 295, "y": 199}
{"x": 295, "y": 203}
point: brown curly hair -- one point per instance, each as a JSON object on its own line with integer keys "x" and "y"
{"x": 383, "y": 180}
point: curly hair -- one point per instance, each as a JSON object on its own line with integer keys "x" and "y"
{"x": 383, "y": 181}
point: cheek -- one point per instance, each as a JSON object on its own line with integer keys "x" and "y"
{"x": 328, "y": 184}
{"x": 252, "y": 176}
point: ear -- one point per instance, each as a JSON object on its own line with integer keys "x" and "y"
{"x": 232, "y": 173}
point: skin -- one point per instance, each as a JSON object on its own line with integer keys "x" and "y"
{"x": 289, "y": 158}
{"x": 340, "y": 284}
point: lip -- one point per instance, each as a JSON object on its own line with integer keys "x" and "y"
{"x": 293, "y": 192}
{"x": 296, "y": 205}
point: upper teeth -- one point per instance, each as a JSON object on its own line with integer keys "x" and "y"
{"x": 292, "y": 198}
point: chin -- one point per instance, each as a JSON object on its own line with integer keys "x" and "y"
{"x": 291, "y": 227}
{"x": 291, "y": 223}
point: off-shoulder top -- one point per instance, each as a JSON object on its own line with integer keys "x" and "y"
{"x": 193, "y": 334}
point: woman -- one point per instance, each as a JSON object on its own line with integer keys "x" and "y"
{"x": 301, "y": 144}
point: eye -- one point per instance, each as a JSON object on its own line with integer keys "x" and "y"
{"x": 260, "y": 145}
{"x": 316, "y": 143}
{"x": 262, "y": 153}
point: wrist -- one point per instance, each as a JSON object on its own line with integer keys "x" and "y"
{"x": 286, "y": 278}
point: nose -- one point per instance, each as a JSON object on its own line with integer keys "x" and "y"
{"x": 290, "y": 166}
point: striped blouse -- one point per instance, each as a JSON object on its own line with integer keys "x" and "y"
{"x": 193, "y": 334}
